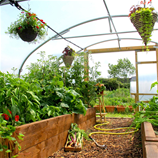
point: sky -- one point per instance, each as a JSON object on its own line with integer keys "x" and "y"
{"x": 62, "y": 14}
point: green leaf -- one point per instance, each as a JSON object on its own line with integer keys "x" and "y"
{"x": 64, "y": 105}
{"x": 8, "y": 151}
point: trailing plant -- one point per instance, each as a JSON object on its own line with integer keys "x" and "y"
{"x": 146, "y": 19}
{"x": 28, "y": 20}
{"x": 148, "y": 113}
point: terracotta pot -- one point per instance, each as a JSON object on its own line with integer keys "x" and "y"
{"x": 97, "y": 107}
{"x": 110, "y": 108}
{"x": 28, "y": 34}
{"x": 120, "y": 108}
{"x": 130, "y": 108}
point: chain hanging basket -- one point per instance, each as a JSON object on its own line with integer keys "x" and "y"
{"x": 139, "y": 24}
{"x": 28, "y": 34}
{"x": 67, "y": 59}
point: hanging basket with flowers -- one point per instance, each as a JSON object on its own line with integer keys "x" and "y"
{"x": 100, "y": 88}
{"x": 143, "y": 19}
{"x": 68, "y": 56}
{"x": 28, "y": 28}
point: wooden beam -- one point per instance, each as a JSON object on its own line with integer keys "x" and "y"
{"x": 144, "y": 94}
{"x": 147, "y": 62}
{"x": 157, "y": 64}
{"x": 132, "y": 48}
{"x": 137, "y": 84}
{"x": 86, "y": 65}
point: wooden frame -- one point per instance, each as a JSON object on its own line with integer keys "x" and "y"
{"x": 131, "y": 48}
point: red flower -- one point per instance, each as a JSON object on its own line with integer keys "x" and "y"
{"x": 17, "y": 118}
{"x": 37, "y": 27}
{"x": 29, "y": 14}
{"x": 5, "y": 116}
{"x": 41, "y": 20}
{"x": 149, "y": 1}
{"x": 9, "y": 111}
{"x": 19, "y": 27}
{"x": 42, "y": 25}
{"x": 141, "y": 2}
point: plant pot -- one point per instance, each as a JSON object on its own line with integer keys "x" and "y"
{"x": 110, "y": 108}
{"x": 130, "y": 108}
{"x": 138, "y": 24}
{"x": 68, "y": 60}
{"x": 28, "y": 34}
{"x": 120, "y": 109}
{"x": 97, "y": 107}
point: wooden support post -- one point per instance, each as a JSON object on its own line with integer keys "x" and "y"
{"x": 86, "y": 65}
{"x": 157, "y": 63}
{"x": 137, "y": 84}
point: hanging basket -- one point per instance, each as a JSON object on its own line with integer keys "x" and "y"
{"x": 68, "y": 60}
{"x": 28, "y": 34}
{"x": 138, "y": 24}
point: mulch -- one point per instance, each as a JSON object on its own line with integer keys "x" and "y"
{"x": 118, "y": 146}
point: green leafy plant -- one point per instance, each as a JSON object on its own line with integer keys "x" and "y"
{"x": 148, "y": 113}
{"x": 28, "y": 20}
{"x": 55, "y": 99}
{"x": 75, "y": 136}
{"x": 8, "y": 143}
{"x": 145, "y": 17}
{"x": 76, "y": 75}
{"x": 100, "y": 88}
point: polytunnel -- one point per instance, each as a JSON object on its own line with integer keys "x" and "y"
{"x": 50, "y": 108}
{"x": 100, "y": 27}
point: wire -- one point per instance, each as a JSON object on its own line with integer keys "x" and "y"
{"x": 13, "y": 2}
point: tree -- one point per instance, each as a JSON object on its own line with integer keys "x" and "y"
{"x": 123, "y": 69}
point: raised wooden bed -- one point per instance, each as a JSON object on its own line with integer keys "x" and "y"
{"x": 149, "y": 141}
{"x": 42, "y": 138}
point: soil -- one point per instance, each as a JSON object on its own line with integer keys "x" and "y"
{"x": 118, "y": 146}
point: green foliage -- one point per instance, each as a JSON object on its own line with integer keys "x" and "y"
{"x": 75, "y": 76}
{"x": 119, "y": 96}
{"x": 55, "y": 99}
{"x": 148, "y": 113}
{"x": 110, "y": 83}
{"x": 6, "y": 132}
{"x": 146, "y": 17}
{"x": 123, "y": 69}
{"x": 26, "y": 20}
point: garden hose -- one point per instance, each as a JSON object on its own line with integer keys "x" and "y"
{"x": 106, "y": 122}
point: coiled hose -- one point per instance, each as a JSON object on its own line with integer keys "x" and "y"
{"x": 106, "y": 122}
